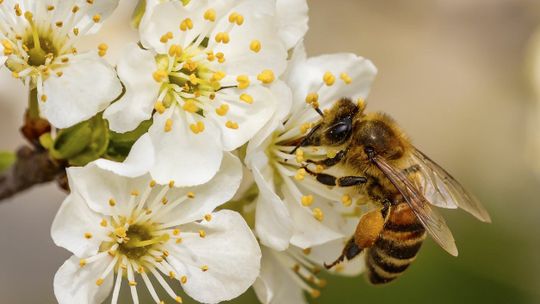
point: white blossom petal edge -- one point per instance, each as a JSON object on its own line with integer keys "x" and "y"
{"x": 38, "y": 46}
{"x": 119, "y": 227}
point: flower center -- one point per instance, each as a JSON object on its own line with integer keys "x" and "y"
{"x": 138, "y": 241}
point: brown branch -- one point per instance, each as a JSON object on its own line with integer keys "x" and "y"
{"x": 33, "y": 167}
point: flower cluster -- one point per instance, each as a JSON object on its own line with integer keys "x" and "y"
{"x": 213, "y": 97}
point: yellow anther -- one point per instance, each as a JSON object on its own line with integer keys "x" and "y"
{"x": 120, "y": 232}
{"x": 179, "y": 240}
{"x": 135, "y": 193}
{"x": 59, "y": 24}
{"x": 175, "y": 50}
{"x": 166, "y": 37}
{"x": 99, "y": 281}
{"x": 300, "y": 174}
{"x": 329, "y": 78}
{"x": 171, "y": 184}
{"x": 315, "y": 293}
{"x": 96, "y": 18}
{"x": 186, "y": 24}
{"x": 132, "y": 283}
{"x": 82, "y": 262}
{"x": 222, "y": 110}
{"x": 222, "y": 37}
{"x": 43, "y": 98}
{"x": 160, "y": 75}
{"x": 208, "y": 217}
{"x": 210, "y": 56}
{"x": 15, "y": 74}
{"x": 76, "y": 31}
{"x": 164, "y": 201}
{"x": 178, "y": 299}
{"x": 307, "y": 200}
{"x": 166, "y": 253}
{"x": 246, "y": 98}
{"x": 221, "y": 57}
{"x": 88, "y": 235}
{"x": 361, "y": 104}
{"x": 307, "y": 251}
{"x": 172, "y": 275}
{"x": 210, "y": 15}
{"x": 236, "y": 18}
{"x": 140, "y": 270}
{"x": 204, "y": 268}
{"x": 219, "y": 75}
{"x": 299, "y": 155}
{"x": 90, "y": 1}
{"x": 103, "y": 223}
{"x": 176, "y": 232}
{"x": 112, "y": 202}
{"x": 191, "y": 194}
{"x": 305, "y": 127}
{"x": 255, "y": 46}
{"x": 190, "y": 65}
{"x": 346, "y": 200}
{"x": 197, "y": 127}
{"x": 318, "y": 214}
{"x": 346, "y": 78}
{"x": 312, "y": 98}
{"x": 74, "y": 9}
{"x": 183, "y": 280}
{"x": 319, "y": 168}
{"x": 28, "y": 16}
{"x": 231, "y": 125}
{"x": 266, "y": 76}
{"x": 50, "y": 8}
{"x": 18, "y": 10}
{"x": 202, "y": 233}
{"x": 194, "y": 79}
{"x": 102, "y": 49}
{"x": 190, "y": 106}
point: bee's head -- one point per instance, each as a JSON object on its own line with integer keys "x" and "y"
{"x": 336, "y": 127}
{"x": 377, "y": 134}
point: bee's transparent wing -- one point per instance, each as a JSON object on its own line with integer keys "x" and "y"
{"x": 432, "y": 221}
{"x": 443, "y": 190}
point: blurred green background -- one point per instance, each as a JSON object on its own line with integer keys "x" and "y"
{"x": 454, "y": 73}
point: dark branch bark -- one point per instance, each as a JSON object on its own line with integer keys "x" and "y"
{"x": 33, "y": 167}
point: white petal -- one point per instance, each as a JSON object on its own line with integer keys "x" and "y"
{"x": 274, "y": 284}
{"x": 250, "y": 117}
{"x": 293, "y": 20}
{"x": 103, "y": 8}
{"x": 138, "y": 162}
{"x": 307, "y": 77}
{"x": 259, "y": 24}
{"x": 88, "y": 86}
{"x": 75, "y": 284}
{"x": 97, "y": 186}
{"x": 273, "y": 222}
{"x": 135, "y": 69}
{"x": 186, "y": 158}
{"x": 73, "y": 220}
{"x": 166, "y": 17}
{"x": 208, "y": 196}
{"x": 231, "y": 253}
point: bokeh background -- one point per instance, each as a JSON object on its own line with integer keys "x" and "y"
{"x": 455, "y": 73}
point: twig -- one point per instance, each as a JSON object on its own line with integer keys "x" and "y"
{"x": 33, "y": 167}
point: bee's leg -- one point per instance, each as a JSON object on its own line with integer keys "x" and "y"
{"x": 350, "y": 251}
{"x": 329, "y": 162}
{"x": 367, "y": 232}
{"x": 344, "y": 181}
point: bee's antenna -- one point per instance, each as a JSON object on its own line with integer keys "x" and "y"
{"x": 305, "y": 139}
{"x": 319, "y": 111}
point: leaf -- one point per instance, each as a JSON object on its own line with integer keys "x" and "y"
{"x": 120, "y": 143}
{"x": 7, "y": 159}
{"x": 98, "y": 140}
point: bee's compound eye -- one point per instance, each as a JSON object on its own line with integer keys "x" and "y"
{"x": 340, "y": 131}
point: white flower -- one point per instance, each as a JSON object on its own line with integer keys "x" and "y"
{"x": 37, "y": 45}
{"x": 136, "y": 229}
{"x": 287, "y": 275}
{"x": 206, "y": 76}
{"x": 293, "y": 21}
{"x": 292, "y": 206}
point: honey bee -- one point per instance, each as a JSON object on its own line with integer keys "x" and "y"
{"x": 386, "y": 168}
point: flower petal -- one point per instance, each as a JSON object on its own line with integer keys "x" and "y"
{"x": 259, "y": 25}
{"x": 138, "y": 162}
{"x": 135, "y": 69}
{"x": 208, "y": 196}
{"x": 98, "y": 186}
{"x": 229, "y": 250}
{"x": 273, "y": 223}
{"x": 73, "y": 220}
{"x": 186, "y": 158}
{"x": 104, "y": 9}
{"x": 250, "y": 117}
{"x": 88, "y": 85}
{"x": 293, "y": 20}
{"x": 75, "y": 284}
{"x": 274, "y": 284}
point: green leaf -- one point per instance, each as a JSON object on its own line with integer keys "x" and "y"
{"x": 120, "y": 143}
{"x": 6, "y": 160}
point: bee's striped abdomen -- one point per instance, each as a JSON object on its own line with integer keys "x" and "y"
{"x": 396, "y": 247}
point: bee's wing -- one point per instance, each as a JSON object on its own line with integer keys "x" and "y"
{"x": 431, "y": 220}
{"x": 445, "y": 191}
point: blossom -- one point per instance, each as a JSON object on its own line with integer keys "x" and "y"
{"x": 286, "y": 275}
{"x": 131, "y": 227}
{"x": 206, "y": 76}
{"x": 37, "y": 45}
{"x": 292, "y": 207}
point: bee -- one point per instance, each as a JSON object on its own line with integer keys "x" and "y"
{"x": 387, "y": 169}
